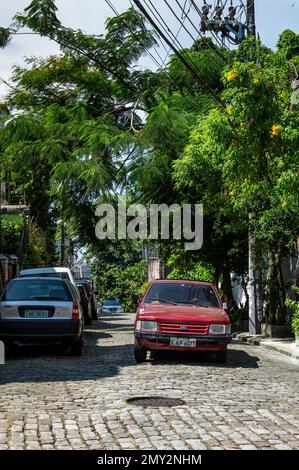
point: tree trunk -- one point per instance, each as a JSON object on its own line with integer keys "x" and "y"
{"x": 216, "y": 276}
{"x": 244, "y": 287}
{"x": 227, "y": 286}
{"x": 275, "y": 309}
{"x": 283, "y": 294}
{"x": 62, "y": 240}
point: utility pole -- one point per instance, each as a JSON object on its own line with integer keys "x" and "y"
{"x": 255, "y": 306}
{"x": 251, "y": 27}
{"x": 233, "y": 22}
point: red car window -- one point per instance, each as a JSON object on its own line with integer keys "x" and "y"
{"x": 182, "y": 293}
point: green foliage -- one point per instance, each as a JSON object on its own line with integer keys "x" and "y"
{"x": 77, "y": 134}
{"x": 118, "y": 272}
{"x": 192, "y": 272}
{"x": 243, "y": 161}
{"x": 5, "y": 36}
{"x": 41, "y": 16}
{"x": 66, "y": 145}
{"x": 10, "y": 234}
{"x": 37, "y": 253}
{"x": 288, "y": 43}
{"x": 252, "y": 50}
{"x": 293, "y": 305}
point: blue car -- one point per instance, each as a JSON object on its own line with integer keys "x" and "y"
{"x": 112, "y": 306}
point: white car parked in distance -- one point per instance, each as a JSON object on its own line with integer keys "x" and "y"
{"x": 63, "y": 273}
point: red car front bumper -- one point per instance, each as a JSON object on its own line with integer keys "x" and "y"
{"x": 154, "y": 341}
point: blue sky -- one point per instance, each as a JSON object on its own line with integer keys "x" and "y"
{"x": 272, "y": 17}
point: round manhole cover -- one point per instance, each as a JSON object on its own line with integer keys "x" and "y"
{"x": 155, "y": 401}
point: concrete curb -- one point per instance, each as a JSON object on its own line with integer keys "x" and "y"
{"x": 286, "y": 347}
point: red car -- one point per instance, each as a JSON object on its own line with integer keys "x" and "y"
{"x": 181, "y": 316}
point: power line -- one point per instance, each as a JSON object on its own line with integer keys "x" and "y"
{"x": 167, "y": 30}
{"x": 161, "y": 21}
{"x": 169, "y": 33}
{"x": 203, "y": 19}
{"x": 198, "y": 31}
{"x": 182, "y": 25}
{"x": 183, "y": 59}
{"x": 158, "y": 37}
{"x": 110, "y": 4}
{"x": 183, "y": 18}
{"x": 176, "y": 16}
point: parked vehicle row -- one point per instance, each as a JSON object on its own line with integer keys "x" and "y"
{"x": 42, "y": 310}
{"x": 88, "y": 290}
{"x": 46, "y": 305}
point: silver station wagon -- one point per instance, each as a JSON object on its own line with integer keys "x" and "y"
{"x": 42, "y": 310}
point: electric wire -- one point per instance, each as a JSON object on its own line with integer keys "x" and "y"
{"x": 158, "y": 37}
{"x": 200, "y": 34}
{"x": 110, "y": 4}
{"x": 183, "y": 19}
{"x": 212, "y": 32}
{"x": 168, "y": 31}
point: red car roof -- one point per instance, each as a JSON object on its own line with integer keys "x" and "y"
{"x": 180, "y": 281}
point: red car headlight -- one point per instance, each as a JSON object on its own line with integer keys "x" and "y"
{"x": 146, "y": 325}
{"x": 219, "y": 329}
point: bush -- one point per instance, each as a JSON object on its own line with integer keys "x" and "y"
{"x": 293, "y": 305}
{"x": 11, "y": 227}
{"x": 125, "y": 282}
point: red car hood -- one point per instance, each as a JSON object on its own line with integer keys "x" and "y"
{"x": 182, "y": 313}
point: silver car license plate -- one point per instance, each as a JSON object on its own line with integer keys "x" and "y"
{"x": 183, "y": 342}
{"x": 36, "y": 314}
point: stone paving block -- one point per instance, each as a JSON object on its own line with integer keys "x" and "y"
{"x": 246, "y": 404}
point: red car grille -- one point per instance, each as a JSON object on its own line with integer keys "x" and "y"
{"x": 183, "y": 328}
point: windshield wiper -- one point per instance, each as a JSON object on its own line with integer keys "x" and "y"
{"x": 163, "y": 300}
{"x": 194, "y": 303}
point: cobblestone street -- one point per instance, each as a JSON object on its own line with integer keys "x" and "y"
{"x": 55, "y": 401}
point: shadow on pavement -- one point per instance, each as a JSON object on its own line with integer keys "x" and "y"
{"x": 104, "y": 325}
{"x": 51, "y": 364}
{"x": 236, "y": 359}
{"x": 103, "y": 356}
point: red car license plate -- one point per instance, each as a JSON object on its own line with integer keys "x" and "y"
{"x": 183, "y": 342}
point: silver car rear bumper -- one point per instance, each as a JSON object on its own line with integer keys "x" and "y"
{"x": 48, "y": 330}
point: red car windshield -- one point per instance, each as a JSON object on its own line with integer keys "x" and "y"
{"x": 182, "y": 293}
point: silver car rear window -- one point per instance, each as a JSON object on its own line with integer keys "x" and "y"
{"x": 37, "y": 289}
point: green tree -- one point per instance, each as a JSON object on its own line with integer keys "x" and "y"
{"x": 74, "y": 117}
{"x": 250, "y": 149}
{"x": 119, "y": 272}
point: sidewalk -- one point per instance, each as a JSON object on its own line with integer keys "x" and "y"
{"x": 284, "y": 346}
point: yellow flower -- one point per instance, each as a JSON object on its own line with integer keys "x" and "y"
{"x": 242, "y": 125}
{"x": 256, "y": 81}
{"x": 230, "y": 110}
{"x": 232, "y": 75}
{"x": 275, "y": 131}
